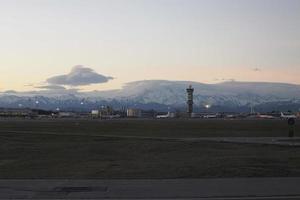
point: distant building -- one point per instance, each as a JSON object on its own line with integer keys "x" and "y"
{"x": 66, "y": 114}
{"x": 23, "y": 113}
{"x": 95, "y": 113}
{"x": 149, "y": 113}
{"x": 132, "y": 112}
{"x": 196, "y": 115}
{"x": 106, "y": 112}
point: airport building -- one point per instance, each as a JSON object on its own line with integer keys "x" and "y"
{"x": 66, "y": 115}
{"x": 95, "y": 114}
{"x": 132, "y": 112}
{"x": 23, "y": 113}
{"x": 104, "y": 112}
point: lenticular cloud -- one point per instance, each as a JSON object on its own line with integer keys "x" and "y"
{"x": 79, "y": 76}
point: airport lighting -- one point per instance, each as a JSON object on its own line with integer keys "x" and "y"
{"x": 207, "y": 106}
{"x": 37, "y": 104}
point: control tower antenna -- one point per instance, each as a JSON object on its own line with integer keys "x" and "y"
{"x": 190, "y": 100}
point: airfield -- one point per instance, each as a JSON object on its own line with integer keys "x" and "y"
{"x": 147, "y": 149}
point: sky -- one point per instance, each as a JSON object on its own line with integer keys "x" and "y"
{"x": 102, "y": 44}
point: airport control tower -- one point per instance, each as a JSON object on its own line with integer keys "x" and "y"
{"x": 190, "y": 102}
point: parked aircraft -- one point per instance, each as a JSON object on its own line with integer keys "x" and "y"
{"x": 168, "y": 115}
{"x": 266, "y": 116}
{"x": 210, "y": 116}
{"x": 283, "y": 116}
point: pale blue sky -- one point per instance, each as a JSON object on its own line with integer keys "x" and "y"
{"x": 197, "y": 40}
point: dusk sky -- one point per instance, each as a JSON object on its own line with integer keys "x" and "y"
{"x": 127, "y": 40}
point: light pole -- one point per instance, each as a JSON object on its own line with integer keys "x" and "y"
{"x": 82, "y": 108}
{"x": 37, "y": 104}
{"x": 207, "y": 106}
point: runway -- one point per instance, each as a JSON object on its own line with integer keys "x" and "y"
{"x": 225, "y": 188}
{"x": 281, "y": 141}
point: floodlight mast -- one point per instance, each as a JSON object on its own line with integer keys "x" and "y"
{"x": 190, "y": 100}
{"x": 37, "y": 104}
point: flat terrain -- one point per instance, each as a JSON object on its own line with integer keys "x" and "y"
{"x": 154, "y": 128}
{"x": 81, "y": 149}
{"x": 163, "y": 189}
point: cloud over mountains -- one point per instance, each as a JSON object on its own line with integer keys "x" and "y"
{"x": 51, "y": 87}
{"x": 161, "y": 94}
{"x": 79, "y": 76}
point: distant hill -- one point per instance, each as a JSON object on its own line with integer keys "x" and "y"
{"x": 161, "y": 94}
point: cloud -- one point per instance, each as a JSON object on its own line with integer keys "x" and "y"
{"x": 225, "y": 79}
{"x": 51, "y": 87}
{"x": 29, "y": 85}
{"x": 10, "y": 92}
{"x": 79, "y": 76}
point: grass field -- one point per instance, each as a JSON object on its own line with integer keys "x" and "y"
{"x": 76, "y": 149}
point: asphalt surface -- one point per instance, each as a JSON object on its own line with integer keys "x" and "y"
{"x": 237, "y": 188}
{"x": 281, "y": 141}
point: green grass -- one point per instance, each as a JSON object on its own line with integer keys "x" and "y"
{"x": 83, "y": 154}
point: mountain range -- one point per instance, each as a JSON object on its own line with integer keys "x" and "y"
{"x": 163, "y": 95}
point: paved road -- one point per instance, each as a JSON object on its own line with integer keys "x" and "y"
{"x": 241, "y": 188}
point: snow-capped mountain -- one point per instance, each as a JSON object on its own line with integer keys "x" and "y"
{"x": 160, "y": 94}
